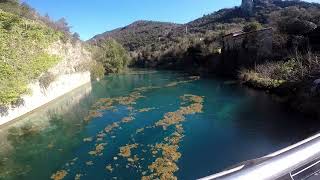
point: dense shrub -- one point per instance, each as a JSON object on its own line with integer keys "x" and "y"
{"x": 97, "y": 71}
{"x": 297, "y": 26}
{"x": 273, "y": 74}
{"x": 253, "y": 26}
{"x": 22, "y": 54}
{"x": 295, "y": 20}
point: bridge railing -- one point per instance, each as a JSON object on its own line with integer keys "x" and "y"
{"x": 298, "y": 161}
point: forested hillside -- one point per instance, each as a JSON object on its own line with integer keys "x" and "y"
{"x": 138, "y": 34}
{"x": 153, "y": 40}
{"x": 197, "y": 46}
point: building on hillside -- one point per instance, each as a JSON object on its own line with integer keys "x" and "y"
{"x": 242, "y": 49}
{"x": 260, "y": 40}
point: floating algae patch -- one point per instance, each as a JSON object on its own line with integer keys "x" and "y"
{"x": 165, "y": 166}
{"x": 50, "y": 146}
{"x": 59, "y": 175}
{"x": 109, "y": 168}
{"x": 174, "y": 139}
{"x": 146, "y": 109}
{"x": 173, "y": 118}
{"x": 179, "y": 128}
{"x": 93, "y": 114}
{"x": 194, "y": 78}
{"x": 89, "y": 163}
{"x": 127, "y": 119}
{"x": 125, "y": 151}
{"x": 143, "y": 89}
{"x": 191, "y": 79}
{"x": 78, "y": 177}
{"x": 104, "y": 104}
{"x": 88, "y": 139}
{"x": 170, "y": 118}
{"x": 110, "y": 127}
{"x": 98, "y": 150}
{"x": 110, "y": 103}
{"x": 139, "y": 130}
{"x": 192, "y": 98}
{"x": 101, "y": 135}
{"x": 164, "y": 154}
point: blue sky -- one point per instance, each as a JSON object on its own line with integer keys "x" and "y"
{"x": 91, "y": 17}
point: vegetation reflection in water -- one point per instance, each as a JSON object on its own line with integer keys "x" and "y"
{"x": 141, "y": 133}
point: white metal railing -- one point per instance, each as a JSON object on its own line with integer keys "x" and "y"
{"x": 277, "y": 164}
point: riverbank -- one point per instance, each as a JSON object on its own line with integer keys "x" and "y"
{"x": 300, "y": 96}
{"x": 40, "y": 96}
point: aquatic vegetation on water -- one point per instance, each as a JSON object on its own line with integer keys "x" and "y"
{"x": 89, "y": 139}
{"x": 109, "y": 168}
{"x": 59, "y": 175}
{"x": 98, "y": 150}
{"x": 191, "y": 78}
{"x": 127, "y": 119}
{"x": 175, "y": 138}
{"x": 125, "y": 151}
{"x": 77, "y": 177}
{"x": 177, "y": 117}
{"x": 89, "y": 163}
{"x": 164, "y": 154}
{"x": 192, "y": 98}
{"x": 162, "y": 168}
{"x": 145, "y": 109}
{"x": 165, "y": 166}
{"x": 169, "y": 151}
{"x": 111, "y": 103}
{"x": 139, "y": 130}
{"x": 93, "y": 114}
{"x": 109, "y": 128}
{"x": 169, "y": 119}
{"x": 50, "y": 146}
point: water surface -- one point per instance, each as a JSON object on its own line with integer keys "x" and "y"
{"x": 87, "y": 133}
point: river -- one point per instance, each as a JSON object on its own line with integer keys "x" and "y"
{"x": 148, "y": 124}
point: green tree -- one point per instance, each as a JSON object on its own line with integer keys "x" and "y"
{"x": 112, "y": 55}
{"x": 253, "y": 26}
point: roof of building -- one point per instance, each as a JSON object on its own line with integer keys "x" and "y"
{"x": 240, "y": 33}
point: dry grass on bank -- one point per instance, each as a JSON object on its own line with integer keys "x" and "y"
{"x": 273, "y": 74}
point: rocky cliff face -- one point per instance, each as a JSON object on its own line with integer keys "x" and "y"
{"x": 74, "y": 57}
{"x": 69, "y": 74}
{"x": 247, "y": 6}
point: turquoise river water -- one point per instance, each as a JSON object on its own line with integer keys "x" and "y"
{"x": 147, "y": 125}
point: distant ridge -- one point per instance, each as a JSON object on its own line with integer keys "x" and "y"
{"x": 158, "y": 36}
{"x": 137, "y": 34}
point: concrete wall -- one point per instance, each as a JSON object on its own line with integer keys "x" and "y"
{"x": 67, "y": 78}
{"x": 39, "y": 97}
{"x": 70, "y": 107}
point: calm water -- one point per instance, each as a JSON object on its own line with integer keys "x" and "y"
{"x": 235, "y": 124}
